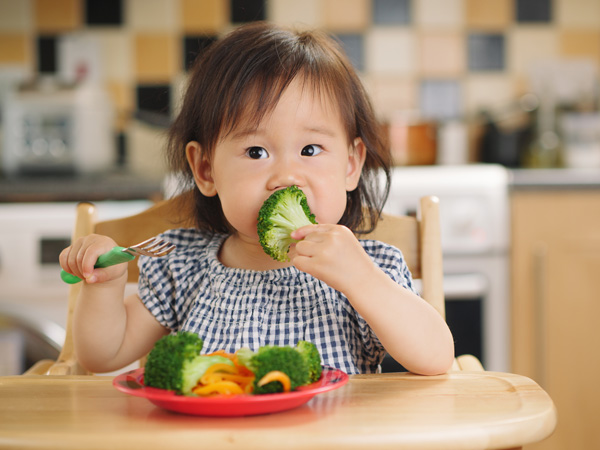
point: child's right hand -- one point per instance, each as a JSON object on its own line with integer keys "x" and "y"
{"x": 79, "y": 259}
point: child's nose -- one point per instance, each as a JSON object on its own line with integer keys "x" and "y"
{"x": 286, "y": 173}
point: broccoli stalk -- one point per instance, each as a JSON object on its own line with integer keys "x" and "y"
{"x": 302, "y": 364}
{"x": 175, "y": 363}
{"x": 284, "y": 211}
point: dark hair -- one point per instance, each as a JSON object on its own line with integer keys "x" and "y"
{"x": 242, "y": 77}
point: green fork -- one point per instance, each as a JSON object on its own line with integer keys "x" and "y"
{"x": 151, "y": 247}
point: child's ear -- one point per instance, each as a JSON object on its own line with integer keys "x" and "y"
{"x": 200, "y": 165}
{"x": 357, "y": 154}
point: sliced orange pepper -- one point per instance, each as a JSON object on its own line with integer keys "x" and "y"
{"x": 221, "y": 387}
{"x": 276, "y": 375}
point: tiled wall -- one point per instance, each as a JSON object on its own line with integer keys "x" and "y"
{"x": 443, "y": 58}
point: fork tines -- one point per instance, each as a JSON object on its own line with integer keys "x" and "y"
{"x": 153, "y": 247}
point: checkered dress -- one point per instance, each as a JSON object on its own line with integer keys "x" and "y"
{"x": 231, "y": 308}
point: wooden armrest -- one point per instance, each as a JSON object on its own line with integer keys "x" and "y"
{"x": 40, "y": 368}
{"x": 468, "y": 363}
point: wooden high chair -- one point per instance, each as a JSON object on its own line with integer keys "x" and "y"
{"x": 418, "y": 238}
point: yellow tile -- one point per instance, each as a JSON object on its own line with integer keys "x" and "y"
{"x": 122, "y": 97}
{"x": 57, "y": 15}
{"x": 573, "y": 13}
{"x": 14, "y": 48}
{"x": 580, "y": 43}
{"x": 489, "y": 14}
{"x": 156, "y": 57}
{"x": 442, "y": 53}
{"x": 205, "y": 16}
{"x": 15, "y": 16}
{"x": 346, "y": 16}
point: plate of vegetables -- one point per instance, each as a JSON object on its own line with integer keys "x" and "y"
{"x": 178, "y": 378}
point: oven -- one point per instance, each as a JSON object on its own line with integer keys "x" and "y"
{"x": 474, "y": 217}
{"x": 33, "y": 299}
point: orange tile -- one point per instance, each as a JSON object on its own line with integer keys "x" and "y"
{"x": 156, "y": 57}
{"x": 580, "y": 43}
{"x": 58, "y": 15}
{"x": 489, "y": 14}
{"x": 346, "y": 16}
{"x": 442, "y": 53}
{"x": 206, "y": 16}
{"x": 14, "y": 48}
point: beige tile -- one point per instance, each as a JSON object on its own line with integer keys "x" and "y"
{"x": 489, "y": 14}
{"x": 15, "y": 48}
{"x": 206, "y": 16}
{"x": 572, "y": 13}
{"x": 116, "y": 52}
{"x": 488, "y": 91}
{"x": 580, "y": 43}
{"x": 152, "y": 15}
{"x": 526, "y": 45}
{"x": 58, "y": 15}
{"x": 442, "y": 53}
{"x": 156, "y": 57}
{"x": 346, "y": 16}
{"x": 390, "y": 50}
{"x": 16, "y": 15}
{"x": 391, "y": 94}
{"x": 439, "y": 13}
{"x": 296, "y": 14}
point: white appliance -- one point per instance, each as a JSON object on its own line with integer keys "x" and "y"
{"x": 474, "y": 213}
{"x": 33, "y": 299}
{"x": 54, "y": 128}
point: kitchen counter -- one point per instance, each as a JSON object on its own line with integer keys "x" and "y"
{"x": 522, "y": 179}
{"x": 114, "y": 185}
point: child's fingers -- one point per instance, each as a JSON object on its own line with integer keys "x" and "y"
{"x": 304, "y": 231}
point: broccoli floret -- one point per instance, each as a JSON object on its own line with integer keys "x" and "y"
{"x": 301, "y": 363}
{"x": 284, "y": 211}
{"x": 175, "y": 363}
{"x": 312, "y": 359}
{"x": 283, "y": 359}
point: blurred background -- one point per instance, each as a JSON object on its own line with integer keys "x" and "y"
{"x": 492, "y": 105}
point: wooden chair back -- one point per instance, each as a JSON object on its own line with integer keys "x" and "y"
{"x": 417, "y": 237}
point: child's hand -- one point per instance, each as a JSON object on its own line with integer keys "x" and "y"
{"x": 80, "y": 258}
{"x": 332, "y": 254}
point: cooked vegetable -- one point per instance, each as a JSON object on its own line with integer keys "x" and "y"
{"x": 283, "y": 212}
{"x": 276, "y": 375}
{"x": 175, "y": 363}
{"x": 298, "y": 363}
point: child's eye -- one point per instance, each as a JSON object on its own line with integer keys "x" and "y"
{"x": 257, "y": 153}
{"x": 311, "y": 150}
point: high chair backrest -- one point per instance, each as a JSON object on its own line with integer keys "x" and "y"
{"x": 417, "y": 237}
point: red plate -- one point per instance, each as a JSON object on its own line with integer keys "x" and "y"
{"x": 132, "y": 383}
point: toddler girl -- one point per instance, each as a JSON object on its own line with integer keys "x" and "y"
{"x": 265, "y": 109}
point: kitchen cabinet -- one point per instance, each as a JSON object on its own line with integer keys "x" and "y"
{"x": 555, "y": 296}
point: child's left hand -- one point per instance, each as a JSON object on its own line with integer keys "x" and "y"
{"x": 332, "y": 254}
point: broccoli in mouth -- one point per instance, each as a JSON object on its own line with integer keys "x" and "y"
{"x": 284, "y": 211}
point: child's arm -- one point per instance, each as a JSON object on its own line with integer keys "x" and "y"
{"x": 109, "y": 331}
{"x": 410, "y": 329}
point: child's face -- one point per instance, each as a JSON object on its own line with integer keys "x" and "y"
{"x": 302, "y": 142}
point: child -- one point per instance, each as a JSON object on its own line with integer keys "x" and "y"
{"x": 265, "y": 109}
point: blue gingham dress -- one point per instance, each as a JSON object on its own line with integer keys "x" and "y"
{"x": 232, "y": 308}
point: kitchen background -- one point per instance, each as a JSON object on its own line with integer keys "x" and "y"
{"x": 87, "y": 88}
{"x": 456, "y": 70}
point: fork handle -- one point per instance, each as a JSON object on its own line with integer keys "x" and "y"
{"x": 114, "y": 256}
